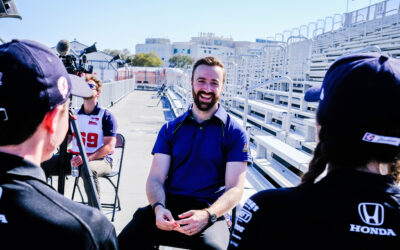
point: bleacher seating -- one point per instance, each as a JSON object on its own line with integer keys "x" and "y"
{"x": 305, "y": 59}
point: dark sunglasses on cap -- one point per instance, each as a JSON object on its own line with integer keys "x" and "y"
{"x": 92, "y": 86}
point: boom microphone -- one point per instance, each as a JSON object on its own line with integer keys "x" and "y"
{"x": 63, "y": 47}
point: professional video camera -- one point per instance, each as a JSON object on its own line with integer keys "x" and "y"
{"x": 75, "y": 64}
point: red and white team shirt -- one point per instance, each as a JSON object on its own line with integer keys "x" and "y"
{"x": 91, "y": 130}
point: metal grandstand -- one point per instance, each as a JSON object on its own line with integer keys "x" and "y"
{"x": 284, "y": 138}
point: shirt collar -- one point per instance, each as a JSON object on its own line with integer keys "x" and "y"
{"x": 221, "y": 114}
{"x": 16, "y": 165}
{"x": 95, "y": 111}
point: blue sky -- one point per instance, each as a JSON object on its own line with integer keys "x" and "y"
{"x": 119, "y": 24}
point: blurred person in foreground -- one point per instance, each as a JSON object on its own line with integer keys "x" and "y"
{"x": 34, "y": 117}
{"x": 197, "y": 174}
{"x": 356, "y": 205}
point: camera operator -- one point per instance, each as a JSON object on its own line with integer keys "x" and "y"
{"x": 34, "y": 99}
{"x": 98, "y": 128}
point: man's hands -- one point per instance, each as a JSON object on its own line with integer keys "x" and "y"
{"x": 190, "y": 223}
{"x": 164, "y": 219}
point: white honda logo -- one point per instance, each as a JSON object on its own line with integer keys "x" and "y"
{"x": 371, "y": 213}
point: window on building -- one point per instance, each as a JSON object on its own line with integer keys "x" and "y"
{"x": 188, "y": 51}
{"x": 209, "y": 52}
{"x": 205, "y": 51}
{"x": 175, "y": 51}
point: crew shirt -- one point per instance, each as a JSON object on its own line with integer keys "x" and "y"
{"x": 199, "y": 153}
{"x": 347, "y": 209}
{"x": 93, "y": 127}
{"x": 34, "y": 216}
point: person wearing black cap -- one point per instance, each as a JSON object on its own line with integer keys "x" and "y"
{"x": 356, "y": 205}
{"x": 34, "y": 101}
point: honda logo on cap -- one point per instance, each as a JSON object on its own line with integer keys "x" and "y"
{"x": 371, "y": 213}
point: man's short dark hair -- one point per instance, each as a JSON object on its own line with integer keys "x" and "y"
{"x": 209, "y": 61}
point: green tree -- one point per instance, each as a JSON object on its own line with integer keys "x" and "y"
{"x": 180, "y": 61}
{"x": 146, "y": 60}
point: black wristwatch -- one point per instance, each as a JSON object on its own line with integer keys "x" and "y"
{"x": 212, "y": 218}
{"x": 157, "y": 204}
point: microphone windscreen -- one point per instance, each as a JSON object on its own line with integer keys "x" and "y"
{"x": 63, "y": 47}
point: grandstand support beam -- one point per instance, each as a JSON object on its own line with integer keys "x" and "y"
{"x": 285, "y": 60}
{"x": 270, "y": 82}
{"x": 283, "y": 48}
{"x": 235, "y": 81}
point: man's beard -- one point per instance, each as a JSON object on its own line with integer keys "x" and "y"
{"x": 204, "y": 106}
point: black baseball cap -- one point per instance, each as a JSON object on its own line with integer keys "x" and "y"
{"x": 34, "y": 79}
{"x": 360, "y": 94}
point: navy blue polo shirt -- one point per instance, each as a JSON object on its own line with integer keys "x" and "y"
{"x": 199, "y": 153}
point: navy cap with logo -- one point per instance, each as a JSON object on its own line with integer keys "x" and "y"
{"x": 359, "y": 93}
{"x": 34, "y": 79}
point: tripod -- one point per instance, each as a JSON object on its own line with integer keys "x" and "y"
{"x": 93, "y": 198}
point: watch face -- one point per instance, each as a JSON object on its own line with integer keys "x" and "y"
{"x": 213, "y": 218}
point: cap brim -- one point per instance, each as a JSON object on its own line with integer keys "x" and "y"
{"x": 79, "y": 86}
{"x": 313, "y": 94}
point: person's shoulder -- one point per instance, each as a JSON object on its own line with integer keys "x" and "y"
{"x": 76, "y": 215}
{"x": 40, "y": 202}
{"x": 280, "y": 197}
{"x": 52, "y": 214}
{"x": 233, "y": 124}
{"x": 172, "y": 124}
{"x": 108, "y": 115}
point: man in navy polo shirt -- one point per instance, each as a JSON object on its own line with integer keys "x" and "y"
{"x": 197, "y": 174}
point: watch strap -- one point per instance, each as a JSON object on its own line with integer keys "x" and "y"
{"x": 211, "y": 217}
{"x": 157, "y": 204}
